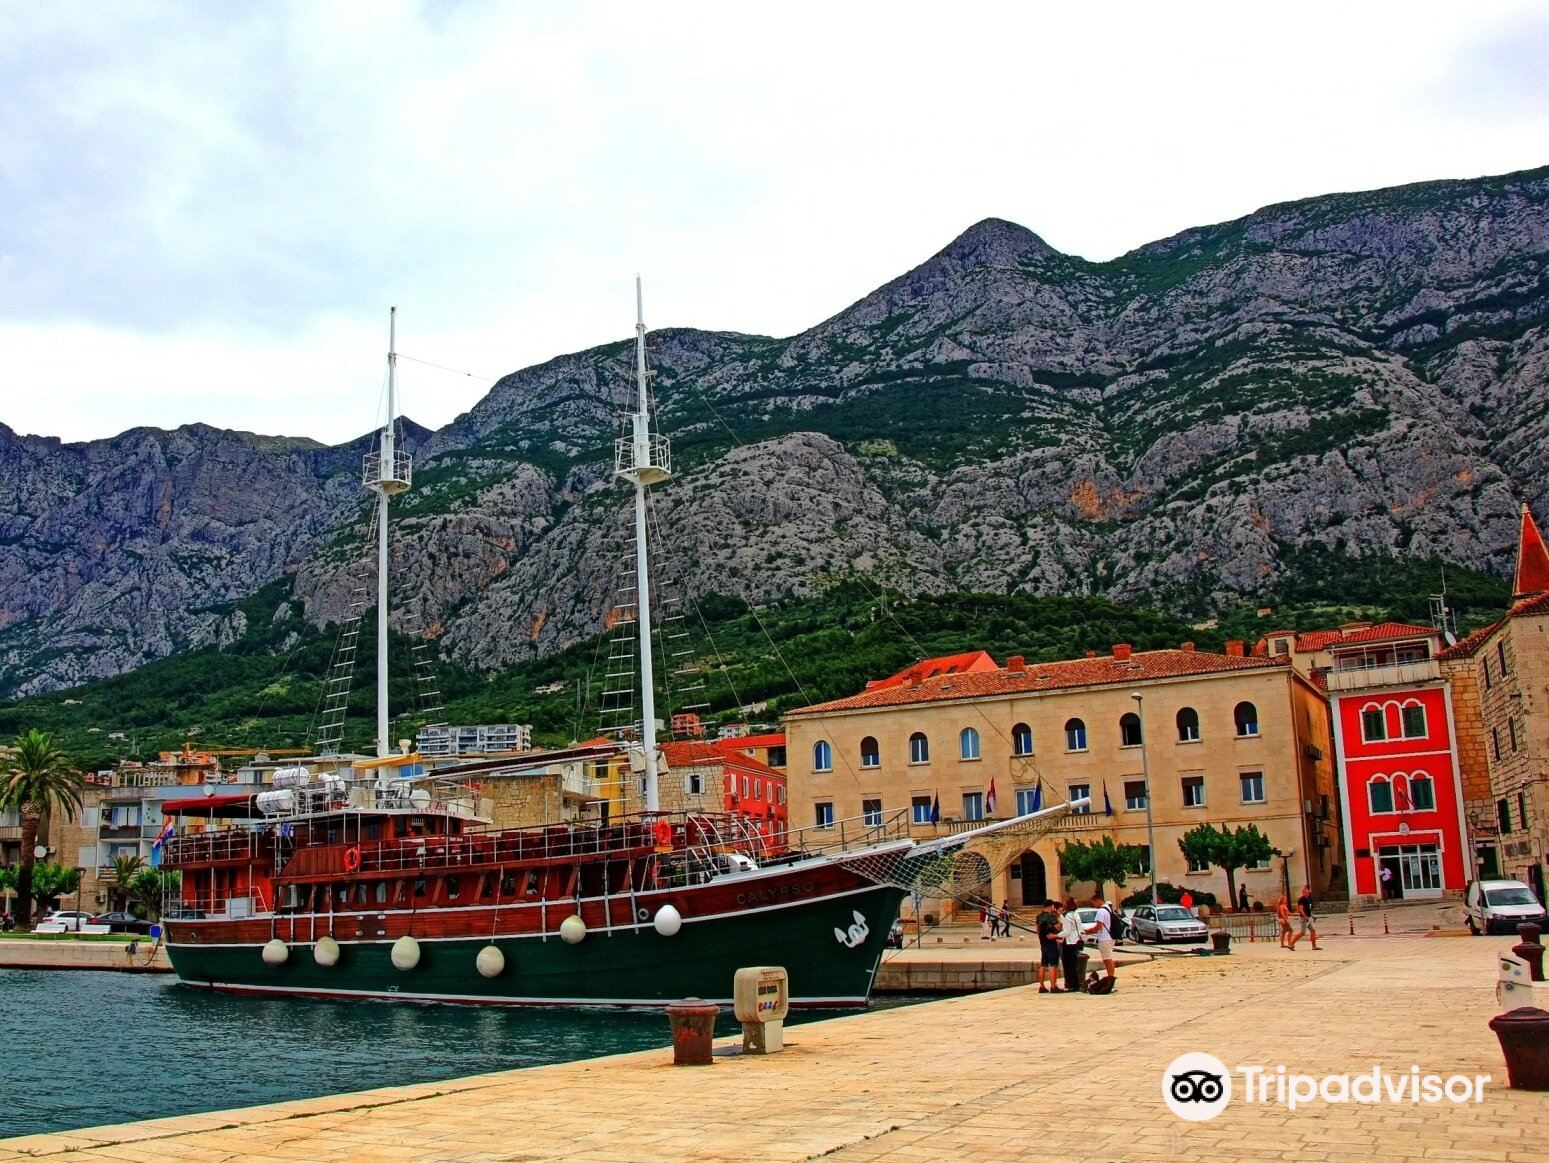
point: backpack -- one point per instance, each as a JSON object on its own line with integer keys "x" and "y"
{"x": 1097, "y": 983}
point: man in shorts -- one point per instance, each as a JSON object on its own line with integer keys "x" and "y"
{"x": 1307, "y": 926}
{"x": 1048, "y": 924}
{"x": 1102, "y": 929}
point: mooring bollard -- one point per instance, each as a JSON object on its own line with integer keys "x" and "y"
{"x": 1524, "y": 1037}
{"x": 693, "y": 1031}
{"x": 1221, "y": 942}
{"x": 1530, "y": 949}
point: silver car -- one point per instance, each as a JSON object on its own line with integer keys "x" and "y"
{"x": 1166, "y": 923}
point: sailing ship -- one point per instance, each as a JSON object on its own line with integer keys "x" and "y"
{"x": 383, "y": 881}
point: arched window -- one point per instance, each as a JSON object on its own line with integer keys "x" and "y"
{"x": 822, "y": 756}
{"x": 1075, "y": 735}
{"x": 1188, "y": 725}
{"x": 1021, "y": 739}
{"x": 1246, "y": 717}
{"x": 1401, "y": 793}
{"x": 870, "y": 756}
{"x": 1129, "y": 729}
{"x": 1379, "y": 795}
{"x": 919, "y": 748}
{"x": 968, "y": 743}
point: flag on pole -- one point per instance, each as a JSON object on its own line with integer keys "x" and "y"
{"x": 1107, "y": 803}
{"x": 989, "y": 800}
{"x": 1038, "y": 797}
{"x": 935, "y": 809}
{"x": 156, "y": 845}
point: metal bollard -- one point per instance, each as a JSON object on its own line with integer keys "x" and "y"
{"x": 1530, "y": 949}
{"x": 1221, "y": 943}
{"x": 693, "y": 1031}
{"x": 1524, "y": 1038}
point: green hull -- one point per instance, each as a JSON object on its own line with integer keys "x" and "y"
{"x": 830, "y": 958}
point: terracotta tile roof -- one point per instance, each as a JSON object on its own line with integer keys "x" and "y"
{"x": 1315, "y": 640}
{"x": 1471, "y": 642}
{"x": 693, "y": 753}
{"x": 969, "y": 662}
{"x": 1048, "y": 676}
{"x": 1532, "y": 559}
{"x": 739, "y": 742}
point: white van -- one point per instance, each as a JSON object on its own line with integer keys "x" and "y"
{"x": 1499, "y": 906}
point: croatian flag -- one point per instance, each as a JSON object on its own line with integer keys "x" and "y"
{"x": 1038, "y": 797}
{"x": 935, "y": 809}
{"x": 1107, "y": 803}
{"x": 989, "y": 800}
{"x": 156, "y": 845}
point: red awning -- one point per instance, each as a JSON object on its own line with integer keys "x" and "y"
{"x": 231, "y": 807}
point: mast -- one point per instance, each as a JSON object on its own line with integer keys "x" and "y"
{"x": 643, "y": 462}
{"x": 387, "y": 474}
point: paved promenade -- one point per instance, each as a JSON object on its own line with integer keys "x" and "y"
{"x": 991, "y": 1076}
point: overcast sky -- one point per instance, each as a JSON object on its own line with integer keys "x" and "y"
{"x": 207, "y": 208}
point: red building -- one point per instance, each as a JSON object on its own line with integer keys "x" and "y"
{"x": 1401, "y": 797}
{"x": 750, "y": 788}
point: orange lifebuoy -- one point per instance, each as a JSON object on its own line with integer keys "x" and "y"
{"x": 663, "y": 834}
{"x": 352, "y": 860}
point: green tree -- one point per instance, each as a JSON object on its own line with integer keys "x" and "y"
{"x": 151, "y": 886}
{"x": 52, "y": 881}
{"x": 1099, "y": 861}
{"x": 125, "y": 869}
{"x": 1226, "y": 849}
{"x": 40, "y": 780}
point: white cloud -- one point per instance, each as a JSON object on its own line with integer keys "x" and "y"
{"x": 204, "y": 212}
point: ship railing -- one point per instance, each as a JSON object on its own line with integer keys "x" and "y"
{"x": 217, "y": 908}
{"x": 849, "y": 833}
{"x": 208, "y": 847}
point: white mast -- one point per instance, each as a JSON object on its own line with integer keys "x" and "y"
{"x": 643, "y": 462}
{"x": 387, "y": 474}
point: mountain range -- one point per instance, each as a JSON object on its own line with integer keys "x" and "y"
{"x": 1358, "y": 375}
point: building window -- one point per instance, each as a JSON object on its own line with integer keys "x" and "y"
{"x": 1522, "y": 808}
{"x": 973, "y": 805}
{"x": 1129, "y": 729}
{"x": 780, "y": 793}
{"x": 825, "y": 815}
{"x": 1414, "y": 721}
{"x": 1246, "y": 716}
{"x": 1196, "y": 865}
{"x": 1193, "y": 791}
{"x": 758, "y": 789}
{"x": 1081, "y": 791}
{"x": 1021, "y": 739}
{"x": 1503, "y": 816}
{"x": 695, "y": 783}
{"x": 870, "y": 756}
{"x": 1075, "y": 735}
{"x": 1495, "y": 744}
{"x": 777, "y": 756}
{"x": 871, "y": 813}
{"x": 745, "y": 787}
{"x": 1487, "y": 683}
{"x": 1135, "y": 795}
{"x": 1422, "y": 793}
{"x": 1188, "y": 725}
{"x": 1374, "y": 724}
{"x": 1379, "y": 795}
{"x": 822, "y": 756}
{"x": 919, "y": 809}
{"x": 968, "y": 743}
{"x": 1252, "y": 787}
{"x": 1261, "y": 865}
{"x": 919, "y": 748}
{"x": 1145, "y": 859}
{"x": 1500, "y": 656}
{"x": 1027, "y": 801}
{"x": 1511, "y": 730}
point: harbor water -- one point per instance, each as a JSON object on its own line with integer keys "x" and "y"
{"x": 84, "y": 1049}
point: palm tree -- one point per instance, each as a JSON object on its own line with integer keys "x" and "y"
{"x": 40, "y": 780}
{"x": 125, "y": 869}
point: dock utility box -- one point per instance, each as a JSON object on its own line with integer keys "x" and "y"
{"x": 761, "y": 997}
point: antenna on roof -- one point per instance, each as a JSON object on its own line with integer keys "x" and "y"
{"x": 1443, "y": 618}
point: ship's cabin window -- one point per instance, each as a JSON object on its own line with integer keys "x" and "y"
{"x": 532, "y": 883}
{"x": 381, "y": 892}
{"x": 373, "y": 830}
{"x": 486, "y": 886}
{"x": 454, "y": 888}
{"x": 419, "y": 886}
{"x": 360, "y": 896}
{"x": 416, "y": 825}
{"x": 508, "y": 884}
{"x": 343, "y": 894}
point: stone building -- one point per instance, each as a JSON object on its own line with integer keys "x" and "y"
{"x": 1501, "y": 702}
{"x": 1230, "y": 738}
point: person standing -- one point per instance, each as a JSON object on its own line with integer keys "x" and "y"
{"x": 1283, "y": 915}
{"x": 1307, "y": 926}
{"x": 1070, "y": 946}
{"x": 1187, "y": 900}
{"x": 1048, "y": 925}
{"x": 1242, "y": 898}
{"x": 986, "y": 921}
{"x": 1102, "y": 928}
{"x": 1005, "y": 918}
{"x": 1386, "y": 876}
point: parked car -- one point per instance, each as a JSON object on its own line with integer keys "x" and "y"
{"x": 123, "y": 923}
{"x": 895, "y": 935}
{"x": 1163, "y": 923}
{"x": 1499, "y": 906}
{"x": 1088, "y": 916}
{"x": 71, "y": 919}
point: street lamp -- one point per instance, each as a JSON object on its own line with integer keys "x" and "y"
{"x": 1145, "y": 774}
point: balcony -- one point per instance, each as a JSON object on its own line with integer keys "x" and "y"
{"x": 128, "y": 831}
{"x": 1395, "y": 674}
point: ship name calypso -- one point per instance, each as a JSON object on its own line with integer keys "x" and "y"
{"x": 777, "y": 893}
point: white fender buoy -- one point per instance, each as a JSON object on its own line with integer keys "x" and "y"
{"x": 668, "y": 921}
{"x": 406, "y": 953}
{"x": 491, "y": 961}
{"x": 326, "y": 952}
{"x": 572, "y": 930}
{"x": 276, "y": 952}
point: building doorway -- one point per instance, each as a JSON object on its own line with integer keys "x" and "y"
{"x": 1035, "y": 883}
{"x": 1415, "y": 870}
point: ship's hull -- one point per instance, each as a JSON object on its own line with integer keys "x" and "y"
{"x": 831, "y": 956}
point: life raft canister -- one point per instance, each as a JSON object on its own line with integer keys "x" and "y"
{"x": 352, "y": 859}
{"x": 663, "y": 834}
